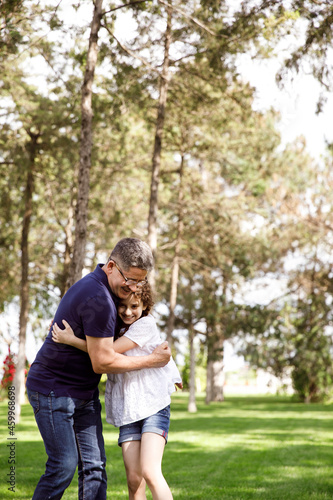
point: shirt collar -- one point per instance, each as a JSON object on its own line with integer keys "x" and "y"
{"x": 103, "y": 277}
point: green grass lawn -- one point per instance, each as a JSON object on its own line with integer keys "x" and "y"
{"x": 245, "y": 448}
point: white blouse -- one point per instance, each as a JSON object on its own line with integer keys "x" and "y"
{"x": 135, "y": 395}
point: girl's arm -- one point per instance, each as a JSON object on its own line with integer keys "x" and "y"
{"x": 68, "y": 337}
{"x": 123, "y": 344}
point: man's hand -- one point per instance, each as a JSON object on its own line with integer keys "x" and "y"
{"x": 161, "y": 355}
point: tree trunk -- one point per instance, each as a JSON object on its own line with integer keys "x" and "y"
{"x": 192, "y": 407}
{"x": 68, "y": 249}
{"x": 215, "y": 373}
{"x": 85, "y": 149}
{"x": 19, "y": 379}
{"x": 175, "y": 262}
{"x": 156, "y": 162}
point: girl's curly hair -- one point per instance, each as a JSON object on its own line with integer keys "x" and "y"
{"x": 146, "y": 295}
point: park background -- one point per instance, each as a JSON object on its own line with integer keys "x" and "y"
{"x": 203, "y": 128}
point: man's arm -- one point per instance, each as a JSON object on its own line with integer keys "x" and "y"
{"x": 105, "y": 352}
{"x": 105, "y": 359}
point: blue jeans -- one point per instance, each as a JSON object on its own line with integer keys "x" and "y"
{"x": 72, "y": 433}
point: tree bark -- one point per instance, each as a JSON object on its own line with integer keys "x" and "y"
{"x": 175, "y": 262}
{"x": 85, "y": 149}
{"x": 68, "y": 248}
{"x": 156, "y": 161}
{"x": 215, "y": 376}
{"x": 19, "y": 379}
{"x": 192, "y": 407}
{"x": 215, "y": 373}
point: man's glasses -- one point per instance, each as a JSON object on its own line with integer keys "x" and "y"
{"x": 130, "y": 281}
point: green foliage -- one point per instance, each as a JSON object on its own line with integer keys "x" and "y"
{"x": 313, "y": 371}
{"x": 293, "y": 340}
{"x": 11, "y": 35}
{"x": 244, "y": 198}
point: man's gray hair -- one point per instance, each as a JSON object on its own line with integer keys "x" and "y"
{"x": 132, "y": 252}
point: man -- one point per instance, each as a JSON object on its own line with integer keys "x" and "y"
{"x": 62, "y": 383}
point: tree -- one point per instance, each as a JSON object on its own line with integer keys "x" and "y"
{"x": 81, "y": 215}
{"x": 220, "y": 175}
{"x": 176, "y": 257}
{"x": 13, "y": 27}
{"x": 230, "y": 158}
{"x": 291, "y": 334}
{"x": 164, "y": 79}
{"x": 19, "y": 380}
{"x": 36, "y": 131}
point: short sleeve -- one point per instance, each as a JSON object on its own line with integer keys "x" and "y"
{"x": 143, "y": 331}
{"x": 99, "y": 317}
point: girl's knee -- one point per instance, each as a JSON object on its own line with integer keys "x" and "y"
{"x": 134, "y": 480}
{"x": 152, "y": 476}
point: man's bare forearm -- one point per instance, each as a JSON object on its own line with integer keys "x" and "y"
{"x": 122, "y": 363}
{"x": 113, "y": 362}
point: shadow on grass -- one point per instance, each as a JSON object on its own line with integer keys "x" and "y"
{"x": 248, "y": 415}
{"x": 291, "y": 472}
{"x": 229, "y": 425}
{"x": 239, "y": 472}
{"x": 244, "y": 448}
{"x": 256, "y": 403}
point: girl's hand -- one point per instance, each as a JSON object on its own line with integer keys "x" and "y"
{"x": 62, "y": 336}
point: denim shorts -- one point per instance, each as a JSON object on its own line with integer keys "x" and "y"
{"x": 158, "y": 423}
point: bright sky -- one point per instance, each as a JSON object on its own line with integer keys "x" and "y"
{"x": 296, "y": 102}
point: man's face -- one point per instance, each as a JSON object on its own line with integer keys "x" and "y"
{"x": 117, "y": 282}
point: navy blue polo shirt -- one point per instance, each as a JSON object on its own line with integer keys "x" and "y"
{"x": 89, "y": 306}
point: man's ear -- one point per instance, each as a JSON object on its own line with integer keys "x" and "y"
{"x": 109, "y": 267}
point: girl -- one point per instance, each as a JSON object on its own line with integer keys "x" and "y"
{"x": 138, "y": 402}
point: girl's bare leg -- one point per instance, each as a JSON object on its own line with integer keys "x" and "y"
{"x": 152, "y": 448}
{"x": 135, "y": 481}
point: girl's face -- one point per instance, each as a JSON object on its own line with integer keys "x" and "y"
{"x": 130, "y": 309}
